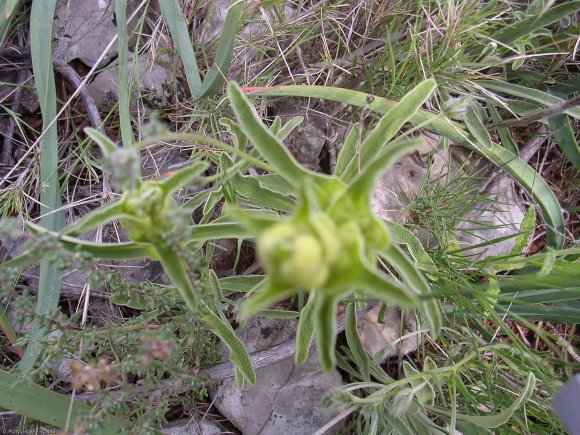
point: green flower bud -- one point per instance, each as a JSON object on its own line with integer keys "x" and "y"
{"x": 327, "y": 232}
{"x": 292, "y": 256}
{"x": 147, "y": 207}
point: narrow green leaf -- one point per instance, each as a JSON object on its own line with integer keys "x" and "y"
{"x": 363, "y": 184}
{"x": 238, "y": 353}
{"x": 277, "y": 184}
{"x": 38, "y": 403}
{"x": 383, "y": 288}
{"x": 348, "y": 151}
{"x": 476, "y": 128}
{"x": 251, "y": 188}
{"x": 215, "y": 286}
{"x": 403, "y": 236}
{"x": 540, "y": 313}
{"x": 360, "y": 355}
{"x": 417, "y": 282}
{"x": 267, "y": 143}
{"x": 279, "y": 314}
{"x": 493, "y": 421}
{"x": 505, "y": 135}
{"x": 175, "y": 21}
{"x": 175, "y": 269}
{"x": 238, "y": 136}
{"x": 6, "y": 326}
{"x": 219, "y": 70}
{"x": 219, "y": 230}
{"x": 265, "y": 298}
{"x": 564, "y": 137}
{"x": 101, "y": 216}
{"x": 241, "y": 283}
{"x": 529, "y": 179}
{"x": 276, "y": 125}
{"x": 526, "y": 230}
{"x": 326, "y": 335}
{"x": 424, "y": 390}
{"x": 306, "y": 327}
{"x": 123, "y": 86}
{"x": 536, "y": 95}
{"x": 52, "y": 219}
{"x": 183, "y": 177}
{"x": 527, "y": 26}
{"x": 289, "y": 127}
{"x": 107, "y": 146}
{"x": 6, "y": 15}
{"x": 391, "y": 123}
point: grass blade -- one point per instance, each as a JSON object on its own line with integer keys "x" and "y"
{"x": 496, "y": 420}
{"x": 124, "y": 87}
{"x": 527, "y": 26}
{"x": 564, "y": 137}
{"x": 238, "y": 353}
{"x": 525, "y": 175}
{"x": 175, "y": 270}
{"x": 50, "y": 277}
{"x": 476, "y": 128}
{"x": 505, "y": 135}
{"x": 38, "y": 403}
{"x": 326, "y": 330}
{"x": 360, "y": 356}
{"x": 223, "y": 58}
{"x": 175, "y": 21}
{"x": 541, "y": 97}
{"x": 348, "y": 151}
{"x": 6, "y": 14}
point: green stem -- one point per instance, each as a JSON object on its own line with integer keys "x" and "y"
{"x": 175, "y": 270}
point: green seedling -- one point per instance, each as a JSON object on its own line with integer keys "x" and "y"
{"x": 329, "y": 244}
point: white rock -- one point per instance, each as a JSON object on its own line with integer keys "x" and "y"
{"x": 84, "y": 29}
{"x": 401, "y": 184}
{"x": 385, "y": 338}
{"x": 286, "y": 399}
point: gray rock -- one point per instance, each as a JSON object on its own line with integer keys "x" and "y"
{"x": 385, "y": 338}
{"x": 286, "y": 399}
{"x": 488, "y": 220}
{"x": 308, "y": 139}
{"x": 84, "y": 28}
{"x": 154, "y": 86}
{"x": 193, "y": 426}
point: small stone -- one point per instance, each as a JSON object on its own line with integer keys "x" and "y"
{"x": 286, "y": 399}
{"x": 384, "y": 338}
{"x": 308, "y": 139}
{"x": 84, "y": 29}
{"x": 192, "y": 426}
{"x": 154, "y": 90}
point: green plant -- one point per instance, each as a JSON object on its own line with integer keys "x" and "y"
{"x": 333, "y": 225}
{"x": 329, "y": 245}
